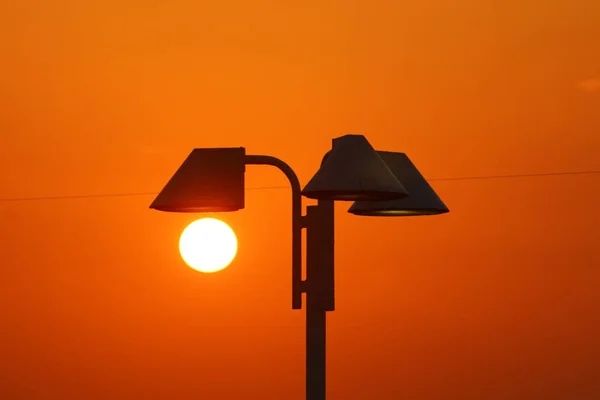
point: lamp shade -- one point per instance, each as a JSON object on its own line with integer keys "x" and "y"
{"x": 209, "y": 180}
{"x": 422, "y": 200}
{"x": 353, "y": 171}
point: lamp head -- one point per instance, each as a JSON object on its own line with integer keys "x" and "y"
{"x": 353, "y": 171}
{"x": 209, "y": 180}
{"x": 422, "y": 199}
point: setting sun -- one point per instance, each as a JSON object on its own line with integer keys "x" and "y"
{"x": 208, "y": 245}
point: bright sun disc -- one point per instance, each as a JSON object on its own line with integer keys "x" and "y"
{"x": 208, "y": 245}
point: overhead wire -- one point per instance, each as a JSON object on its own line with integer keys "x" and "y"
{"x": 132, "y": 194}
{"x": 516, "y": 175}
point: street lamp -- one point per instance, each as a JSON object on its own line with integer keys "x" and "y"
{"x": 212, "y": 180}
{"x": 352, "y": 171}
{"x": 422, "y": 200}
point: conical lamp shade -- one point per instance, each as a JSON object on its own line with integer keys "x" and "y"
{"x": 209, "y": 180}
{"x": 353, "y": 171}
{"x": 422, "y": 200}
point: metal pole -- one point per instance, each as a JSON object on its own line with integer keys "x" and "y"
{"x": 319, "y": 283}
{"x": 319, "y": 294}
{"x": 297, "y": 283}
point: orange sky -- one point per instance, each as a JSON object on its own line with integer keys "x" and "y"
{"x": 496, "y": 300}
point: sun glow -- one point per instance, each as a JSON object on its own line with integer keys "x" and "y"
{"x": 208, "y": 245}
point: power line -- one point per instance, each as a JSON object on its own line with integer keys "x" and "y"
{"x": 132, "y": 194}
{"x": 85, "y": 196}
{"x": 105, "y": 195}
{"x": 516, "y": 176}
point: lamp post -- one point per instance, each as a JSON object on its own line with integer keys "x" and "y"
{"x": 212, "y": 180}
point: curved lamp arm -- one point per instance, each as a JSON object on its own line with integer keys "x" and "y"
{"x": 297, "y": 283}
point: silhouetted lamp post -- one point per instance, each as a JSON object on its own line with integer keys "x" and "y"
{"x": 379, "y": 183}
